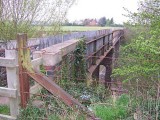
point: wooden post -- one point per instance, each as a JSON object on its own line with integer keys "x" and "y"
{"x": 13, "y": 82}
{"x": 23, "y": 77}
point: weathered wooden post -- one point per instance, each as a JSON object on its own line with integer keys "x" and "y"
{"x": 23, "y": 77}
{"x": 13, "y": 82}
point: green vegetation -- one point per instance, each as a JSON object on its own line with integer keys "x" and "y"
{"x": 80, "y": 62}
{"x": 139, "y": 60}
{"x": 32, "y": 112}
{"x": 85, "y": 28}
{"x": 111, "y": 110}
{"x": 4, "y": 109}
{"x": 20, "y": 16}
{"x": 140, "y": 56}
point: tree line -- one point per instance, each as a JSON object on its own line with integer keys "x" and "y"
{"x": 103, "y": 21}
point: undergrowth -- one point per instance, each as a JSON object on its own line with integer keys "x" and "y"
{"x": 4, "y": 109}
{"x": 112, "y": 111}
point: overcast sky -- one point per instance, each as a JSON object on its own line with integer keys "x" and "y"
{"x": 99, "y": 8}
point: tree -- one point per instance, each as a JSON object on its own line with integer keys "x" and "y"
{"x": 111, "y": 21}
{"x": 140, "y": 57}
{"x": 20, "y": 16}
{"x": 102, "y": 21}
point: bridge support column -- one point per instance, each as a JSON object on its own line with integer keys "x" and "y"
{"x": 116, "y": 53}
{"x": 108, "y": 65}
{"x": 95, "y": 74}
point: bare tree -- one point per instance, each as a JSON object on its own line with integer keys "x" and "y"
{"x": 21, "y": 16}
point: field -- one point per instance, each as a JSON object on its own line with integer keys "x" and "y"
{"x": 77, "y": 28}
{"x": 85, "y": 28}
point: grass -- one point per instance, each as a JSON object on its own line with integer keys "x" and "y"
{"x": 84, "y": 28}
{"x": 4, "y": 109}
{"x": 112, "y": 111}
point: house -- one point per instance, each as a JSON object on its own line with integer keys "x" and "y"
{"x": 93, "y": 22}
{"x": 90, "y": 22}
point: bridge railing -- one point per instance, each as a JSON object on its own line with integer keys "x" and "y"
{"x": 97, "y": 47}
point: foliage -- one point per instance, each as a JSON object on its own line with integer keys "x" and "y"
{"x": 4, "y": 109}
{"x": 79, "y": 67}
{"x": 52, "y": 109}
{"x": 32, "y": 112}
{"x": 110, "y": 22}
{"x": 17, "y": 16}
{"x": 42, "y": 70}
{"x": 109, "y": 111}
{"x": 142, "y": 58}
{"x": 139, "y": 59}
{"x": 102, "y": 21}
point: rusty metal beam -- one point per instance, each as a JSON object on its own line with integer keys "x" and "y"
{"x": 26, "y": 69}
{"x": 52, "y": 87}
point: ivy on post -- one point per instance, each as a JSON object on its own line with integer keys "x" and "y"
{"x": 22, "y": 61}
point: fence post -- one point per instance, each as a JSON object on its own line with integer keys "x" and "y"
{"x": 23, "y": 77}
{"x": 13, "y": 82}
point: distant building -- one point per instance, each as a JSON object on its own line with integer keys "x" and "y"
{"x": 90, "y": 22}
{"x": 93, "y": 22}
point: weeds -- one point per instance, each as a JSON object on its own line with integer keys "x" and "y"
{"x": 4, "y": 109}
{"x": 112, "y": 111}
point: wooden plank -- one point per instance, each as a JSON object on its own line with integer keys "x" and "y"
{"x": 13, "y": 82}
{"x": 7, "y": 62}
{"x": 6, "y": 117}
{"x": 7, "y": 92}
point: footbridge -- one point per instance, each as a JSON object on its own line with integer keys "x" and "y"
{"x": 21, "y": 65}
{"x": 102, "y": 53}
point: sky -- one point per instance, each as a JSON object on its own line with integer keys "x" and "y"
{"x": 98, "y": 8}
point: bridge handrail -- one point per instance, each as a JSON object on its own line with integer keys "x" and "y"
{"x": 102, "y": 36}
{"x": 96, "y": 52}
